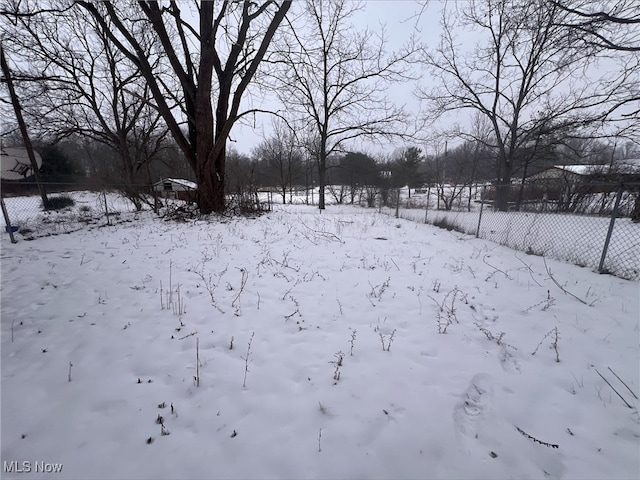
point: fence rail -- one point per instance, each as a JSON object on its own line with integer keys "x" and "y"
{"x": 593, "y": 228}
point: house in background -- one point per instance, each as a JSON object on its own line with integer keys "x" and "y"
{"x": 567, "y": 173}
{"x": 176, "y": 188}
{"x": 576, "y": 187}
{"x": 619, "y": 170}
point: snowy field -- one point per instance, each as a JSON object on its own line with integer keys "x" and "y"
{"x": 346, "y": 344}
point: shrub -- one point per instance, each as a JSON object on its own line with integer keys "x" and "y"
{"x": 58, "y": 203}
{"x": 446, "y": 224}
{"x": 246, "y": 202}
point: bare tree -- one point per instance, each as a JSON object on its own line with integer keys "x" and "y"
{"x": 605, "y": 25}
{"x": 214, "y": 57}
{"x": 520, "y": 75}
{"x": 15, "y": 102}
{"x": 333, "y": 79}
{"x": 311, "y": 147}
{"x": 80, "y": 84}
{"x": 242, "y": 178}
{"x": 612, "y": 29}
{"x": 449, "y": 170}
{"x": 282, "y": 157}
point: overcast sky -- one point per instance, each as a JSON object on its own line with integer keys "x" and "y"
{"x": 400, "y": 19}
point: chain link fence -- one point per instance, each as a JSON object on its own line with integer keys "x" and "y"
{"x": 69, "y": 207}
{"x": 587, "y": 225}
{"x": 591, "y": 227}
{"x": 65, "y": 211}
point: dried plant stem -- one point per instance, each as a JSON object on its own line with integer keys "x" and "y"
{"x": 607, "y": 382}
{"x": 352, "y": 341}
{"x": 188, "y": 335}
{"x": 554, "y": 344}
{"x": 338, "y": 362}
{"x": 560, "y": 286}
{"x": 387, "y": 347}
{"x": 484, "y": 260}
{"x": 382, "y": 341}
{"x": 528, "y": 267}
{"x": 631, "y": 391}
{"x": 236, "y": 301}
{"x": 546, "y": 444}
{"x": 178, "y": 308}
{"x": 170, "y": 287}
{"x": 393, "y": 334}
{"x": 246, "y": 361}
{"x": 197, "y": 361}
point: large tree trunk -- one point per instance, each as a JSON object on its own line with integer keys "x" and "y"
{"x": 206, "y": 142}
{"x": 205, "y": 175}
{"x": 503, "y": 187}
{"x": 210, "y": 179}
{"x": 322, "y": 173}
{"x": 217, "y": 156}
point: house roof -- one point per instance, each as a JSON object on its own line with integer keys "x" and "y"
{"x": 580, "y": 169}
{"x": 179, "y": 181}
{"x": 629, "y": 165}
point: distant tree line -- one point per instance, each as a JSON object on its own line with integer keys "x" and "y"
{"x": 128, "y": 93}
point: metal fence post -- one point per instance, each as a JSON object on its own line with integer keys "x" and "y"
{"x": 6, "y": 219}
{"x": 482, "y": 195}
{"x": 426, "y": 210}
{"x": 614, "y": 214}
{"x": 398, "y": 204}
{"x": 106, "y": 207}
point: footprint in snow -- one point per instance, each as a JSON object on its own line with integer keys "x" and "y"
{"x": 469, "y": 414}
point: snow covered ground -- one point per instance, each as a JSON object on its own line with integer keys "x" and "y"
{"x": 578, "y": 239}
{"x": 346, "y": 344}
{"x": 90, "y": 209}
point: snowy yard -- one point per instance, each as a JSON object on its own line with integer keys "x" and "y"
{"x": 89, "y": 209}
{"x": 347, "y": 344}
{"x": 578, "y": 239}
